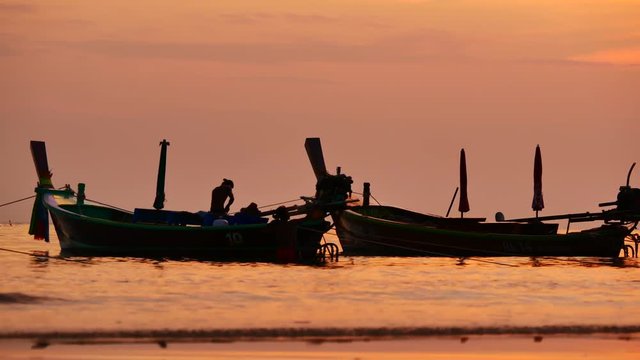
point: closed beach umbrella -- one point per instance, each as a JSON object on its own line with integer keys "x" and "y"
{"x": 463, "y": 207}
{"x": 159, "y": 201}
{"x": 538, "y": 201}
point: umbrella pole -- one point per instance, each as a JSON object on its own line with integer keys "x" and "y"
{"x": 452, "y": 200}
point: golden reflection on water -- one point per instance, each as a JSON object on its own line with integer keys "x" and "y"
{"x": 128, "y": 293}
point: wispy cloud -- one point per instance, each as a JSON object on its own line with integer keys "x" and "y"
{"x": 267, "y": 18}
{"x": 621, "y": 56}
{"x": 425, "y": 45}
{"x": 7, "y": 50}
{"x": 282, "y": 80}
{"x": 257, "y": 17}
{"x": 7, "y": 45}
{"x": 246, "y": 18}
{"x": 17, "y": 7}
{"x": 307, "y": 18}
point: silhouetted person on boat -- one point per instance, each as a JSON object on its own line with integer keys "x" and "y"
{"x": 218, "y": 197}
{"x": 281, "y": 214}
{"x": 251, "y": 210}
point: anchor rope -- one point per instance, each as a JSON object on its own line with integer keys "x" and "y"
{"x": 440, "y": 254}
{"x": 42, "y": 255}
{"x": 488, "y": 252}
{"x": 107, "y": 205}
{"x": 378, "y": 202}
{"x": 91, "y": 200}
{"x": 420, "y": 242}
{"x": 25, "y": 198}
{"x": 584, "y": 262}
{"x": 335, "y": 233}
{"x": 425, "y": 251}
{"x": 279, "y": 203}
{"x": 17, "y": 201}
{"x": 316, "y": 230}
{"x": 497, "y": 253}
{"x": 373, "y": 197}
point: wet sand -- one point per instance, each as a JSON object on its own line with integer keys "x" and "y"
{"x": 596, "y": 346}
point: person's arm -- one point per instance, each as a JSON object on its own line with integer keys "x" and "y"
{"x": 231, "y": 199}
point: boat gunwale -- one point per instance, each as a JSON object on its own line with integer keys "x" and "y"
{"x": 469, "y": 234}
{"x": 54, "y": 206}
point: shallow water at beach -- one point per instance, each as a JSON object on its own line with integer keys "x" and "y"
{"x": 113, "y": 294}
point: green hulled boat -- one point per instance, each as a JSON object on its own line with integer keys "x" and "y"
{"x": 88, "y": 228}
{"x": 387, "y": 230}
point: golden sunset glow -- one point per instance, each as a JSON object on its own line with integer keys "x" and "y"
{"x": 614, "y": 57}
{"x": 394, "y": 88}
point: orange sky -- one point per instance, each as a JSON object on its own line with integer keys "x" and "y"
{"x": 394, "y": 88}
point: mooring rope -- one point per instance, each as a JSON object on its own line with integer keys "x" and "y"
{"x": 17, "y": 251}
{"x": 42, "y": 255}
{"x": 568, "y": 259}
{"x": 488, "y": 252}
{"x": 420, "y": 242}
{"x": 441, "y": 254}
{"x": 373, "y": 197}
{"x": 279, "y": 203}
{"x": 111, "y": 206}
{"x": 23, "y": 199}
{"x": 431, "y": 252}
{"x": 17, "y": 201}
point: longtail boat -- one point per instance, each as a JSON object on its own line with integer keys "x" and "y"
{"x": 379, "y": 230}
{"x": 84, "y": 227}
{"x": 387, "y": 230}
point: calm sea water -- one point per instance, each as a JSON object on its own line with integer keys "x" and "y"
{"x": 86, "y": 294}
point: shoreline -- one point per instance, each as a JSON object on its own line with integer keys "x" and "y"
{"x": 487, "y": 346}
{"x": 337, "y": 333}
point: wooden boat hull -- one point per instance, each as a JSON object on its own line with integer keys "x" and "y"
{"x": 113, "y": 233}
{"x": 367, "y": 232}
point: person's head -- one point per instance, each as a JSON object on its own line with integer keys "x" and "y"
{"x": 227, "y": 182}
{"x": 281, "y": 214}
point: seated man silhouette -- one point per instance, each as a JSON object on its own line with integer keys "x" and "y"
{"x": 250, "y": 210}
{"x": 218, "y": 197}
